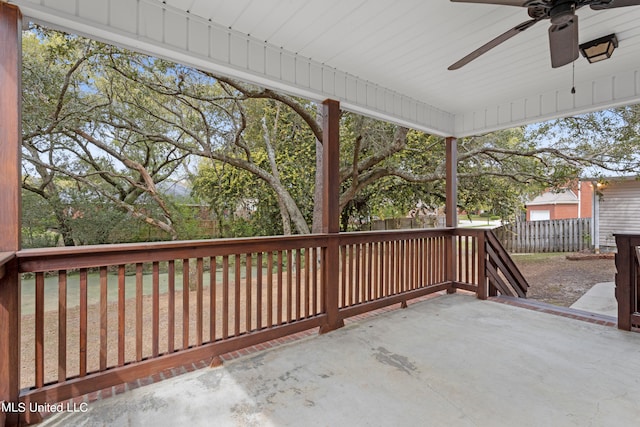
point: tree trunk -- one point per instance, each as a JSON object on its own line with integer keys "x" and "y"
{"x": 284, "y": 214}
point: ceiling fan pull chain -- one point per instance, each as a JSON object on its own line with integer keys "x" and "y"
{"x": 573, "y": 78}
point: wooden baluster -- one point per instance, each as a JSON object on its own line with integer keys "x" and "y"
{"x": 457, "y": 273}
{"x": 62, "y": 326}
{"x": 307, "y": 282}
{"x": 236, "y": 294}
{"x": 212, "y": 298}
{"x": 225, "y": 297}
{"x": 393, "y": 270}
{"x": 352, "y": 274}
{"x": 404, "y": 259}
{"x": 259, "y": 307}
{"x": 377, "y": 269}
{"x": 400, "y": 266}
{"x": 314, "y": 269}
{"x": 343, "y": 276}
{"x": 155, "y": 309}
{"x": 139, "y": 312}
{"x": 249, "y": 290}
{"x": 269, "y": 289}
{"x": 279, "y": 318}
{"x": 121, "y": 313}
{"x": 357, "y": 275}
{"x": 298, "y": 285}
{"x": 370, "y": 283}
{"x": 430, "y": 266}
{"x": 171, "y": 303}
{"x": 419, "y": 282}
{"x": 389, "y": 267}
{"x": 39, "y": 333}
{"x": 483, "y": 291}
{"x": 411, "y": 262}
{"x": 185, "y": 303}
{"x": 83, "y": 322}
{"x": 199, "y": 300}
{"x": 438, "y": 259}
{"x": 471, "y": 255}
{"x": 103, "y": 318}
{"x": 289, "y": 285}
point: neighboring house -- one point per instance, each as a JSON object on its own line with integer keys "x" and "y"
{"x": 616, "y": 210}
{"x": 573, "y": 202}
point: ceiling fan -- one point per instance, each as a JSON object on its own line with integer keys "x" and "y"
{"x": 563, "y": 32}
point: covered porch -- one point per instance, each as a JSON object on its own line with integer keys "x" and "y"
{"x": 248, "y": 291}
{"x": 451, "y": 360}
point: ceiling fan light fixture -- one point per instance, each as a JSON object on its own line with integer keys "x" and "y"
{"x": 599, "y": 49}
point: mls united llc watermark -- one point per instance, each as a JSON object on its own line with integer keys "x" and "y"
{"x": 22, "y": 407}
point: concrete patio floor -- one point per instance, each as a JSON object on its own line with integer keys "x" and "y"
{"x": 450, "y": 361}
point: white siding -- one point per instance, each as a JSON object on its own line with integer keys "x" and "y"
{"x": 619, "y": 210}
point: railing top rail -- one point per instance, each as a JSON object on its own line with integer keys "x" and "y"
{"x": 164, "y": 245}
{"x": 388, "y": 235}
{"x": 46, "y": 259}
{"x": 633, "y": 239}
{"x": 90, "y": 256}
{"x": 470, "y": 231}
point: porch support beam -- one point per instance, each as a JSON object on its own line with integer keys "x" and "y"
{"x": 10, "y": 146}
{"x": 331, "y": 211}
{"x": 451, "y": 207}
{"x": 451, "y": 190}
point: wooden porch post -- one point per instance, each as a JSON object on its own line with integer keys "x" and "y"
{"x": 625, "y": 270}
{"x": 331, "y": 211}
{"x": 451, "y": 207}
{"x": 10, "y": 146}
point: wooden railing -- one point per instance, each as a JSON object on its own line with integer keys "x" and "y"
{"x": 98, "y": 316}
{"x": 503, "y": 274}
{"x": 382, "y": 268}
{"x": 124, "y": 311}
{"x": 469, "y": 272}
{"x": 628, "y": 280}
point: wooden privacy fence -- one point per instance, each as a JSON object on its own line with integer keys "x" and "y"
{"x": 97, "y": 316}
{"x": 558, "y": 235}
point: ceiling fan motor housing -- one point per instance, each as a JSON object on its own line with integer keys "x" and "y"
{"x": 562, "y": 12}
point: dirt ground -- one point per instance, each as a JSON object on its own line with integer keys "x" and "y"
{"x": 557, "y": 280}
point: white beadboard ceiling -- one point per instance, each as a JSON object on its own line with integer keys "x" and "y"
{"x": 384, "y": 58}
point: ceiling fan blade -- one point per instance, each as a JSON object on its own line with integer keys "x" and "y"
{"x": 499, "y": 2}
{"x": 563, "y": 43}
{"x": 493, "y": 43}
{"x": 614, "y": 3}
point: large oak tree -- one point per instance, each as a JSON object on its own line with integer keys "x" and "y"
{"x": 118, "y": 124}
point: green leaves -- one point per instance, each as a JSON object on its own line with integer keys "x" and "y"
{"x": 105, "y": 127}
